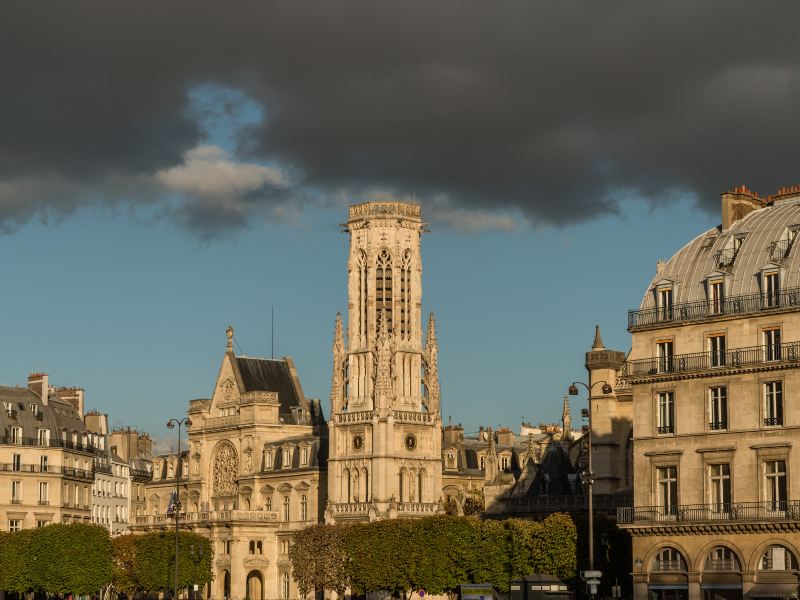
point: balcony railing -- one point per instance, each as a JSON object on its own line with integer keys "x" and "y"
{"x": 735, "y": 512}
{"x": 778, "y": 251}
{"x": 141, "y": 475}
{"x": 725, "y": 258}
{"x": 718, "y": 425}
{"x": 772, "y": 421}
{"x": 49, "y": 443}
{"x": 702, "y": 361}
{"x": 208, "y": 516}
{"x": 704, "y": 309}
{"x": 54, "y": 469}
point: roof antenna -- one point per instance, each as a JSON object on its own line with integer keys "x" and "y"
{"x": 272, "y": 330}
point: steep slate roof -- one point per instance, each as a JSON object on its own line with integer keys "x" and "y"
{"x": 57, "y": 415}
{"x": 271, "y": 375}
{"x": 692, "y": 264}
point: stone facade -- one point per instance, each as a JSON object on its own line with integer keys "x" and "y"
{"x": 713, "y": 370}
{"x": 46, "y": 456}
{"x": 385, "y": 423}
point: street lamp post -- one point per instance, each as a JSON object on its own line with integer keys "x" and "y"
{"x": 573, "y": 391}
{"x": 176, "y": 505}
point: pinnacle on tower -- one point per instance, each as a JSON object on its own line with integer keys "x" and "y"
{"x": 566, "y": 419}
{"x": 229, "y": 333}
{"x": 431, "y": 340}
{"x": 598, "y": 341}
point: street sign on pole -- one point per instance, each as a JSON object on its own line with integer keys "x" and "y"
{"x": 591, "y": 574}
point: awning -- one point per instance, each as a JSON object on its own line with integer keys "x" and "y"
{"x": 773, "y": 590}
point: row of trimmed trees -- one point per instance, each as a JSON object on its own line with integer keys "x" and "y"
{"x": 83, "y": 559}
{"x": 436, "y": 554}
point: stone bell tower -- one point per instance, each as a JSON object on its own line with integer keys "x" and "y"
{"x": 385, "y": 426}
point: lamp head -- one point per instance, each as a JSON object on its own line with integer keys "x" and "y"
{"x": 607, "y": 389}
{"x": 170, "y": 424}
{"x": 189, "y": 421}
{"x": 573, "y": 390}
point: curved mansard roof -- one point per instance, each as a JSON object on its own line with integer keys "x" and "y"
{"x": 689, "y": 269}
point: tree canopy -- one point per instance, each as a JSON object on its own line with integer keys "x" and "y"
{"x": 435, "y": 553}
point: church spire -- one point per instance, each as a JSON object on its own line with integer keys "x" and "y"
{"x": 229, "y": 333}
{"x": 337, "y": 377}
{"x": 566, "y": 419}
{"x": 432, "y": 367}
{"x": 598, "y": 341}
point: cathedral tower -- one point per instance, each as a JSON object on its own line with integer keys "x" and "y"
{"x": 385, "y": 425}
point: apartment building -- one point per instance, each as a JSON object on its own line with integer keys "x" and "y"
{"x": 714, "y": 370}
{"x": 46, "y": 456}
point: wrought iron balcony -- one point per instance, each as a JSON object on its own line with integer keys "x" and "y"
{"x": 772, "y": 421}
{"x": 662, "y": 429}
{"x": 706, "y": 361}
{"x": 779, "y": 251}
{"x": 684, "y": 312}
{"x": 733, "y": 512}
{"x": 718, "y": 425}
{"x": 725, "y": 258}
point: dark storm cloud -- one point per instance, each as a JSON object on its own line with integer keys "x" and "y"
{"x": 553, "y": 109}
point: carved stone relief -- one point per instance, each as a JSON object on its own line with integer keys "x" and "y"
{"x": 224, "y": 470}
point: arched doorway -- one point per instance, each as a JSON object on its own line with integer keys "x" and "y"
{"x": 255, "y": 585}
{"x": 226, "y": 585}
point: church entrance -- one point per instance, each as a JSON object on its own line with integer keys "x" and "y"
{"x": 255, "y": 585}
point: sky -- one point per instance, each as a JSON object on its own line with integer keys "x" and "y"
{"x": 167, "y": 169}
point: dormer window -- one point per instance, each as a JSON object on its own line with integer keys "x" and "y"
{"x": 7, "y": 407}
{"x": 771, "y": 289}
{"x": 304, "y": 456}
{"x": 664, "y": 295}
{"x": 451, "y": 459}
{"x": 716, "y": 296}
{"x": 35, "y": 409}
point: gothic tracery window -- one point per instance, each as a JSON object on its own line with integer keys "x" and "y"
{"x": 405, "y": 296}
{"x": 383, "y": 288}
{"x": 362, "y": 297}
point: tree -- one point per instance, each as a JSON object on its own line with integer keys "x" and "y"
{"x": 154, "y": 561}
{"x": 319, "y": 559}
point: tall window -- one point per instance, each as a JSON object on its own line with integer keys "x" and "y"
{"x": 16, "y": 435}
{"x": 43, "y": 437}
{"x": 772, "y": 344}
{"x": 14, "y": 524}
{"x": 362, "y": 297}
{"x": 43, "y": 464}
{"x": 665, "y": 304}
{"x": 303, "y": 508}
{"x": 285, "y": 586}
{"x": 16, "y": 462}
{"x": 773, "y": 403}
{"x": 664, "y": 349}
{"x": 666, "y": 412}
{"x": 304, "y": 456}
{"x": 16, "y": 492}
{"x": 775, "y": 480}
{"x": 405, "y": 296}
{"x": 268, "y": 459}
{"x": 716, "y": 297}
{"x": 268, "y": 503}
{"x": 286, "y": 508}
{"x": 667, "y": 482}
{"x": 716, "y": 347}
{"x": 722, "y": 559}
{"x": 43, "y": 497}
{"x": 720, "y": 487}
{"x": 771, "y": 289}
{"x": 718, "y": 408}
{"x": 383, "y": 287}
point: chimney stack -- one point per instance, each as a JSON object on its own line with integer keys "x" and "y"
{"x": 39, "y": 384}
{"x": 737, "y": 204}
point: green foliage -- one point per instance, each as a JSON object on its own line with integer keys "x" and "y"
{"x": 57, "y": 559}
{"x": 435, "y": 553}
{"x": 319, "y": 560}
{"x": 124, "y": 564}
{"x": 154, "y": 561}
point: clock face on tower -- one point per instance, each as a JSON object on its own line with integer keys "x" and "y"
{"x": 411, "y": 441}
{"x": 358, "y": 442}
